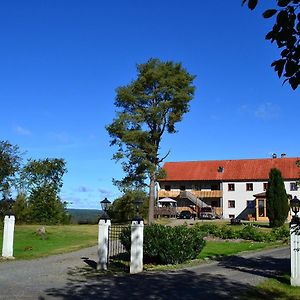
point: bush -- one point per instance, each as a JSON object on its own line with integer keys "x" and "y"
{"x": 226, "y": 232}
{"x": 207, "y": 229}
{"x": 125, "y": 238}
{"x": 168, "y": 245}
{"x": 250, "y": 232}
{"x": 280, "y": 233}
{"x": 223, "y": 232}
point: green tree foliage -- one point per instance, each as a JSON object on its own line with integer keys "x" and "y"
{"x": 285, "y": 33}
{"x": 10, "y": 161}
{"x": 123, "y": 208}
{"x": 148, "y": 107}
{"x": 45, "y": 207}
{"x": 21, "y": 209}
{"x": 277, "y": 199}
{"x": 43, "y": 179}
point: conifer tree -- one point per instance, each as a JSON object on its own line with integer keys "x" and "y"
{"x": 148, "y": 107}
{"x": 277, "y": 199}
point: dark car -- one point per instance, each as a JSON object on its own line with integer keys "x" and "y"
{"x": 185, "y": 214}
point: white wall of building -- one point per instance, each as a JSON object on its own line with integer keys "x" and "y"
{"x": 240, "y": 195}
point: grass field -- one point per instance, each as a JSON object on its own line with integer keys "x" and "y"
{"x": 276, "y": 289}
{"x": 215, "y": 249}
{"x": 58, "y": 239}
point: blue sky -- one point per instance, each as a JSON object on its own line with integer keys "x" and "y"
{"x": 61, "y": 61}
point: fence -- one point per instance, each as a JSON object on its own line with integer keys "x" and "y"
{"x": 117, "y": 254}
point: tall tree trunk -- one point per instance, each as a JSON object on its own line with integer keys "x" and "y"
{"x": 151, "y": 199}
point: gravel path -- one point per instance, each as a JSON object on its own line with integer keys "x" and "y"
{"x": 68, "y": 276}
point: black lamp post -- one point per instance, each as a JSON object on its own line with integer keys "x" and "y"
{"x": 105, "y": 204}
{"x": 137, "y": 203}
{"x": 295, "y": 206}
{"x": 10, "y": 202}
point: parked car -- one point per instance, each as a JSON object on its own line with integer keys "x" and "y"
{"x": 185, "y": 214}
{"x": 207, "y": 213}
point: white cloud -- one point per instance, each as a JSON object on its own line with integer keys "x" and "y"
{"x": 264, "y": 111}
{"x": 22, "y": 131}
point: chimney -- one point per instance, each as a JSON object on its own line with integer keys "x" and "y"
{"x": 283, "y": 155}
{"x": 274, "y": 155}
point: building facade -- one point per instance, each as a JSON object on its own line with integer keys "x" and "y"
{"x": 235, "y": 188}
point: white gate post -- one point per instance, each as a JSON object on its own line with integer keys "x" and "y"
{"x": 8, "y": 237}
{"x": 295, "y": 254}
{"x": 137, "y": 239}
{"x": 103, "y": 240}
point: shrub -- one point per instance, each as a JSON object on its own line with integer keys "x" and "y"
{"x": 168, "y": 245}
{"x": 125, "y": 237}
{"x": 207, "y": 229}
{"x": 280, "y": 233}
{"x": 226, "y": 232}
{"x": 250, "y": 232}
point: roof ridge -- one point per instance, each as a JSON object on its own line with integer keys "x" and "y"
{"x": 239, "y": 159}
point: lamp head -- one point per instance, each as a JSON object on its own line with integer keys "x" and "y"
{"x": 295, "y": 205}
{"x": 105, "y": 204}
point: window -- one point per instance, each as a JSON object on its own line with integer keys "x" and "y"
{"x": 261, "y": 207}
{"x": 231, "y": 203}
{"x": 231, "y": 216}
{"x": 249, "y": 186}
{"x": 265, "y": 186}
{"x": 167, "y": 187}
{"x": 230, "y": 186}
{"x": 182, "y": 188}
{"x": 250, "y": 203}
{"x": 293, "y": 186}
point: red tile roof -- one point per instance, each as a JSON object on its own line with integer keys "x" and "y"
{"x": 233, "y": 170}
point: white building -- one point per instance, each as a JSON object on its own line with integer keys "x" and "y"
{"x": 235, "y": 188}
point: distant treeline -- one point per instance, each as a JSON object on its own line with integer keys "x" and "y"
{"x": 84, "y": 216}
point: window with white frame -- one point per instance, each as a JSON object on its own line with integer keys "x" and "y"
{"x": 249, "y": 186}
{"x": 231, "y": 203}
{"x": 231, "y": 187}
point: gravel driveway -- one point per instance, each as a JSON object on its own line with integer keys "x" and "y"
{"x": 68, "y": 276}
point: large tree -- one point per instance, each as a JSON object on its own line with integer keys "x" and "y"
{"x": 285, "y": 33}
{"x": 277, "y": 199}
{"x": 10, "y": 160}
{"x": 148, "y": 107}
{"x": 43, "y": 179}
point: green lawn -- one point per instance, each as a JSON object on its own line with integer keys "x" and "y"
{"x": 214, "y": 249}
{"x": 276, "y": 289}
{"x": 58, "y": 239}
